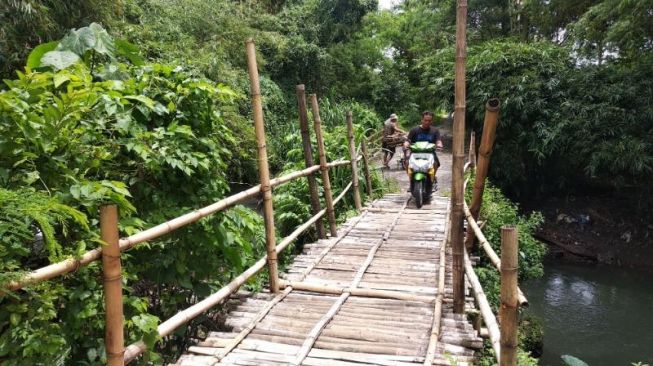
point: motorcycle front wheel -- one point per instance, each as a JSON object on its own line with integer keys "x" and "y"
{"x": 418, "y": 193}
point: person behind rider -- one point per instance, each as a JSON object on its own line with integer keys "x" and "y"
{"x": 424, "y": 132}
{"x": 390, "y": 132}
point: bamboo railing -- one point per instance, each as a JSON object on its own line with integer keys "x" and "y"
{"x": 117, "y": 354}
{"x": 504, "y": 338}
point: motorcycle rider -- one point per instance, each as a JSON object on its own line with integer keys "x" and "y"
{"x": 424, "y": 132}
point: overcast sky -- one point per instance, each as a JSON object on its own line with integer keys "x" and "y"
{"x": 387, "y": 4}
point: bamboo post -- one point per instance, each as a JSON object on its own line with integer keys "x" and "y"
{"x": 472, "y": 150}
{"x": 308, "y": 157}
{"x": 458, "y": 150}
{"x": 328, "y": 198}
{"x": 264, "y": 172}
{"x": 509, "y": 298}
{"x": 354, "y": 162}
{"x": 483, "y": 164}
{"x": 366, "y": 169}
{"x": 112, "y": 272}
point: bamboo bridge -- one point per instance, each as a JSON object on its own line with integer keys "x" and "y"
{"x": 389, "y": 287}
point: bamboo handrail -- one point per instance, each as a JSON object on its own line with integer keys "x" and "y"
{"x": 485, "y": 244}
{"x": 484, "y": 305}
{"x": 183, "y": 317}
{"x": 72, "y": 264}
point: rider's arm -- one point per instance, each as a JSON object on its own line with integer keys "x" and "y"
{"x": 438, "y": 145}
{"x": 409, "y": 139}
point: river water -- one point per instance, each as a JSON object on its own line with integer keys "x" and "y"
{"x": 602, "y": 315}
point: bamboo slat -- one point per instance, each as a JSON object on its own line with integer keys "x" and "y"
{"x": 263, "y": 168}
{"x": 363, "y": 292}
{"x": 245, "y": 332}
{"x": 437, "y": 313}
{"x": 484, "y": 306}
{"x": 509, "y": 298}
{"x": 457, "y": 194}
{"x": 112, "y": 273}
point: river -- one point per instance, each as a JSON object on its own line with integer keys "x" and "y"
{"x": 602, "y": 315}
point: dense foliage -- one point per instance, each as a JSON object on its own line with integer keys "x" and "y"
{"x": 89, "y": 122}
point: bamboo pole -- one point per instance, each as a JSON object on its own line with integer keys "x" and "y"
{"x": 472, "y": 150}
{"x": 264, "y": 171}
{"x": 492, "y": 255}
{"x": 509, "y": 298}
{"x": 112, "y": 273}
{"x": 366, "y": 169}
{"x": 458, "y": 150}
{"x": 485, "y": 150}
{"x": 308, "y": 157}
{"x": 353, "y": 157}
{"x": 326, "y": 182}
{"x": 437, "y": 312}
{"x": 485, "y": 308}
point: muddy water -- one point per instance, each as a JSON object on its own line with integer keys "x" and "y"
{"x": 602, "y": 315}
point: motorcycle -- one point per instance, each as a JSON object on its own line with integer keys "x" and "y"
{"x": 421, "y": 171}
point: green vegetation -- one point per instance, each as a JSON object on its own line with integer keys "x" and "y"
{"x": 89, "y": 122}
{"x": 144, "y": 103}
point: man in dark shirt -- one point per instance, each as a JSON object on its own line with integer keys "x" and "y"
{"x": 424, "y": 132}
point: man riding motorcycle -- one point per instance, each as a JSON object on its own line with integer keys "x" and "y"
{"x": 425, "y": 132}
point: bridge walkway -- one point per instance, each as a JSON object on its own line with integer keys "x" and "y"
{"x": 365, "y": 297}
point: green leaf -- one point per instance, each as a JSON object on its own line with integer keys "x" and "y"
{"x": 103, "y": 42}
{"x": 93, "y": 37}
{"x": 59, "y": 60}
{"x": 572, "y": 361}
{"x": 78, "y": 41}
{"x": 34, "y": 58}
{"x": 59, "y": 79}
{"x": 91, "y": 354}
{"x": 129, "y": 51}
{"x": 149, "y": 103}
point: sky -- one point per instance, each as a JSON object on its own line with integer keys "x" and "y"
{"x": 387, "y": 4}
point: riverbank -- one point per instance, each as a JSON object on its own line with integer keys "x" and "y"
{"x": 604, "y": 229}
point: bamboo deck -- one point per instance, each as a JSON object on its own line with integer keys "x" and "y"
{"x": 373, "y": 300}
